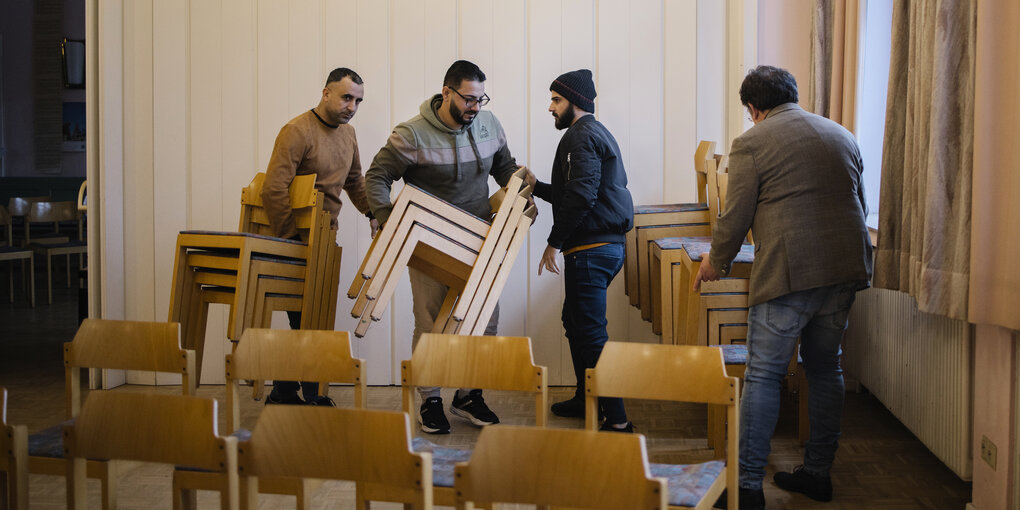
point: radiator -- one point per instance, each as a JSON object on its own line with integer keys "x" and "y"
{"x": 920, "y": 367}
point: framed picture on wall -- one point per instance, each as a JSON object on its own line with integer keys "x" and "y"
{"x": 74, "y": 127}
{"x": 73, "y": 56}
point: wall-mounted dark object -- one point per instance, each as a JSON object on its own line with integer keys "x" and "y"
{"x": 73, "y": 55}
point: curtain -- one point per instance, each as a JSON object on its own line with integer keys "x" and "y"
{"x": 995, "y": 238}
{"x": 834, "y": 56}
{"x": 925, "y": 203}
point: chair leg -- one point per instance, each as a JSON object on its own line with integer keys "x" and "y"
{"x": 10, "y": 279}
{"x": 31, "y": 281}
{"x": 67, "y": 265}
{"x": 49, "y": 279}
{"x": 108, "y": 485}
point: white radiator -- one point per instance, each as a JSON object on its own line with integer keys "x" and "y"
{"x": 920, "y": 366}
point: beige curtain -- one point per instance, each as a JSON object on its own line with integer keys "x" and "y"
{"x": 995, "y": 237}
{"x": 834, "y": 55}
{"x": 925, "y": 203}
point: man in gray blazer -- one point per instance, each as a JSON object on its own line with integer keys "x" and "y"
{"x": 795, "y": 180}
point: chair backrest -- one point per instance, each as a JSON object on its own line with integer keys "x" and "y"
{"x": 171, "y": 429}
{"x": 50, "y": 212}
{"x": 82, "y": 197}
{"x": 704, "y": 153}
{"x": 13, "y": 460}
{"x": 721, "y": 186}
{"x": 305, "y": 203}
{"x": 126, "y": 345}
{"x": 19, "y": 206}
{"x": 6, "y": 222}
{"x": 559, "y": 467}
{"x": 365, "y": 446}
{"x": 292, "y": 355}
{"x": 488, "y": 362}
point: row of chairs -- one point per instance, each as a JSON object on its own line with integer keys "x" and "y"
{"x": 374, "y": 448}
{"x": 48, "y": 243}
{"x": 473, "y": 257}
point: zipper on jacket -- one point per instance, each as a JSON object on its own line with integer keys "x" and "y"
{"x": 568, "y": 166}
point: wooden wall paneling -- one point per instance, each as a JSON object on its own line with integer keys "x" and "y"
{"x": 169, "y": 148}
{"x": 238, "y": 104}
{"x": 442, "y": 46}
{"x": 138, "y": 185}
{"x": 374, "y": 124}
{"x": 475, "y": 38}
{"x": 111, "y": 166}
{"x": 206, "y": 156}
{"x": 509, "y": 85}
{"x": 742, "y": 54}
{"x": 711, "y": 73}
{"x": 272, "y": 82}
{"x": 680, "y": 100}
{"x": 545, "y": 292}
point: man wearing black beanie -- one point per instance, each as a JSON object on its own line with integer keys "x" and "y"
{"x": 592, "y": 211}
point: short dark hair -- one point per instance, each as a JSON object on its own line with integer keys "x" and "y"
{"x": 460, "y": 71}
{"x": 767, "y": 87}
{"x": 342, "y": 72}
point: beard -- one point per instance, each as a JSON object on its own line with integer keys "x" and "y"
{"x": 564, "y": 121}
{"x": 464, "y": 117}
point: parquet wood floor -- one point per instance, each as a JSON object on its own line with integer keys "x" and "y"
{"x": 880, "y": 464}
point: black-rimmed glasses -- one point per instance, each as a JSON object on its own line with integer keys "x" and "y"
{"x": 471, "y": 100}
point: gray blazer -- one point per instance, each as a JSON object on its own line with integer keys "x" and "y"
{"x": 795, "y": 179}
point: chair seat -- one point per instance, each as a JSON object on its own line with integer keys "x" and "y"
{"x": 241, "y": 234}
{"x": 48, "y": 442}
{"x": 668, "y": 208}
{"x": 240, "y": 434}
{"x": 10, "y": 252}
{"x": 688, "y": 483}
{"x": 443, "y": 460}
{"x": 57, "y": 246}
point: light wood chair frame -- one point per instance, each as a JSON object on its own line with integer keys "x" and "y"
{"x": 13, "y": 461}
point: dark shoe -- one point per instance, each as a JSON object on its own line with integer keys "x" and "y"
{"x": 573, "y": 408}
{"x": 750, "y": 499}
{"x": 818, "y": 488}
{"x": 288, "y": 399}
{"x": 606, "y": 427}
{"x": 473, "y": 408}
{"x": 320, "y": 400}
{"x": 432, "y": 418}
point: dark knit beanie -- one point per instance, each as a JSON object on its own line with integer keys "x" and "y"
{"x": 577, "y": 87}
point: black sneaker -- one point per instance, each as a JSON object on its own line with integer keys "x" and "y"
{"x": 320, "y": 400}
{"x": 473, "y": 408}
{"x": 432, "y": 418}
{"x": 818, "y": 488}
{"x": 750, "y": 499}
{"x": 289, "y": 399}
{"x": 606, "y": 427}
{"x": 573, "y": 408}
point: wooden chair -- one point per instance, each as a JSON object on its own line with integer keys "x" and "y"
{"x": 117, "y": 345}
{"x": 679, "y": 373}
{"x": 9, "y": 253}
{"x": 489, "y": 362}
{"x": 225, "y": 264}
{"x": 18, "y": 207}
{"x": 280, "y": 354}
{"x": 696, "y": 213}
{"x": 168, "y": 429}
{"x": 13, "y": 461}
{"x": 55, "y": 212}
{"x": 561, "y": 468}
{"x": 370, "y": 448}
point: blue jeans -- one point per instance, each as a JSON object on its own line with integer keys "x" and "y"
{"x": 586, "y": 276}
{"x": 819, "y": 317}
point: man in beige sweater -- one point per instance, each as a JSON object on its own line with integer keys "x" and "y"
{"x": 321, "y": 142}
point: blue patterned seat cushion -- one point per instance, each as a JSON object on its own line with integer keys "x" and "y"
{"x": 688, "y": 483}
{"x": 49, "y": 442}
{"x": 443, "y": 460}
{"x": 677, "y": 243}
{"x": 240, "y": 434}
{"x": 669, "y": 208}
{"x": 695, "y": 246}
{"x": 736, "y": 354}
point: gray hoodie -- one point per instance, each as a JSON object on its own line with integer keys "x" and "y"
{"x": 453, "y": 165}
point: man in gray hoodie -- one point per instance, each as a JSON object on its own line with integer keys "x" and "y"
{"x": 449, "y": 150}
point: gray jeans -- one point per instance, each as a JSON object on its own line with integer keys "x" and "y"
{"x": 428, "y": 295}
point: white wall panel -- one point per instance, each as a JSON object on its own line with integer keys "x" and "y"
{"x": 193, "y": 94}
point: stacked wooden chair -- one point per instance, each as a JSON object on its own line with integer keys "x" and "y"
{"x": 676, "y": 373}
{"x": 108, "y": 344}
{"x": 471, "y": 256}
{"x": 255, "y": 273}
{"x": 659, "y": 221}
{"x": 281, "y": 354}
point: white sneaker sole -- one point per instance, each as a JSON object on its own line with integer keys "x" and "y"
{"x": 467, "y": 416}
